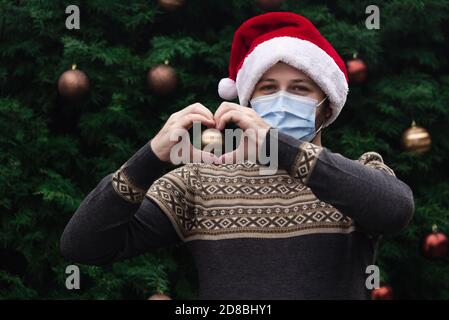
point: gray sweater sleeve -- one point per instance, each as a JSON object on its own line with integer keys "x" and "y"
{"x": 366, "y": 189}
{"x": 116, "y": 221}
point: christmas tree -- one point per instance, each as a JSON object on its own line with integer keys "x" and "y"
{"x": 55, "y": 149}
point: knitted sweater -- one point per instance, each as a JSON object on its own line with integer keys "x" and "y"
{"x": 306, "y": 232}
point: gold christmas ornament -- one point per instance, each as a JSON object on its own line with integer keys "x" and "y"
{"x": 162, "y": 79}
{"x": 159, "y": 296}
{"x": 73, "y": 84}
{"x": 171, "y": 5}
{"x": 416, "y": 139}
{"x": 212, "y": 137}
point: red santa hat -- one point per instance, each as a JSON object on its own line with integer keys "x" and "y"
{"x": 262, "y": 41}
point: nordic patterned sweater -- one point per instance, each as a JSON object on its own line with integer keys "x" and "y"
{"x": 306, "y": 232}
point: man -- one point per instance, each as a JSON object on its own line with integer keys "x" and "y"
{"x": 308, "y": 231}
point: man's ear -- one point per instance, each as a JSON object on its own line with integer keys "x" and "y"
{"x": 328, "y": 112}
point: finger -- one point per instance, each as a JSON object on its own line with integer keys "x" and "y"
{"x": 197, "y": 155}
{"x": 235, "y": 156}
{"x": 225, "y": 107}
{"x": 227, "y": 158}
{"x": 197, "y": 108}
{"x": 186, "y": 122}
{"x": 234, "y": 116}
{"x": 238, "y": 155}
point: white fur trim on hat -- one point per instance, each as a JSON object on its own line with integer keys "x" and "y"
{"x": 227, "y": 89}
{"x": 301, "y": 54}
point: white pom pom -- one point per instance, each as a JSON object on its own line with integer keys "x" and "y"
{"x": 227, "y": 89}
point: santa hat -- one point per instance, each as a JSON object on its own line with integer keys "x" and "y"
{"x": 262, "y": 41}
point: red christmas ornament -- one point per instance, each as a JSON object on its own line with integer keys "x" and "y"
{"x": 436, "y": 244}
{"x": 382, "y": 293}
{"x": 357, "y": 70}
{"x": 269, "y": 5}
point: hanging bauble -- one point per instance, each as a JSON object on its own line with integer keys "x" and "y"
{"x": 382, "y": 293}
{"x": 73, "y": 84}
{"x": 436, "y": 244}
{"x": 212, "y": 137}
{"x": 159, "y": 296}
{"x": 171, "y": 5}
{"x": 416, "y": 139}
{"x": 357, "y": 70}
{"x": 162, "y": 79}
{"x": 269, "y": 5}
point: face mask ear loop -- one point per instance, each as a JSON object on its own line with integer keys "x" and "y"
{"x": 319, "y": 104}
{"x": 319, "y": 129}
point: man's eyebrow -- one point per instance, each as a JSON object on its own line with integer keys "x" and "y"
{"x": 297, "y": 80}
{"x": 300, "y": 80}
{"x": 267, "y": 79}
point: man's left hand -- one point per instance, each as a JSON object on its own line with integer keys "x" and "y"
{"x": 253, "y": 126}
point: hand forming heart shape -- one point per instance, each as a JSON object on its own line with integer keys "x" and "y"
{"x": 168, "y": 147}
{"x": 249, "y": 130}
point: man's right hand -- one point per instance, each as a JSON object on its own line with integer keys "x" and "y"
{"x": 183, "y": 119}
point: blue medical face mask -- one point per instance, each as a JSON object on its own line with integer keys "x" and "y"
{"x": 290, "y": 113}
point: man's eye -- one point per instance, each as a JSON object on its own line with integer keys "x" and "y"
{"x": 300, "y": 88}
{"x": 269, "y": 87}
